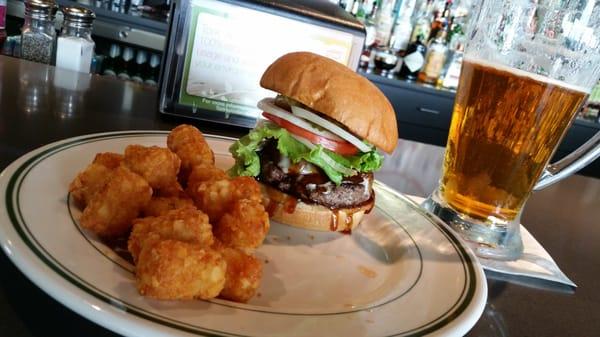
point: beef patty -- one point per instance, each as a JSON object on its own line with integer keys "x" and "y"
{"x": 310, "y": 184}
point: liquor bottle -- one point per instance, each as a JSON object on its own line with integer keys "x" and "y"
{"x": 384, "y": 22}
{"x": 152, "y": 75}
{"x": 369, "y": 7}
{"x": 450, "y": 77}
{"x": 590, "y": 110}
{"x": 348, "y": 5}
{"x": 403, "y": 27}
{"x": 595, "y": 94}
{"x": 456, "y": 34}
{"x": 422, "y": 26}
{"x": 361, "y": 13}
{"x": 413, "y": 60}
{"x": 119, "y": 64}
{"x": 126, "y": 63}
{"x": 435, "y": 59}
{"x": 441, "y": 20}
{"x": 355, "y": 7}
{"x": 366, "y": 59}
{"x": 385, "y": 61}
{"x": 110, "y": 62}
{"x": 140, "y": 64}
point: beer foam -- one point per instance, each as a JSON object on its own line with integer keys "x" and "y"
{"x": 523, "y": 73}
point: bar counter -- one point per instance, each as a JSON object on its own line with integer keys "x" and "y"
{"x": 40, "y": 104}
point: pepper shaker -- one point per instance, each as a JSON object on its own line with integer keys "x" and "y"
{"x": 38, "y": 33}
{"x": 75, "y": 47}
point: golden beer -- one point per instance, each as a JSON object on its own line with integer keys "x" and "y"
{"x": 505, "y": 127}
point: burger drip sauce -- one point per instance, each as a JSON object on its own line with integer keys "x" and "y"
{"x": 297, "y": 185}
{"x": 271, "y": 206}
{"x": 290, "y": 205}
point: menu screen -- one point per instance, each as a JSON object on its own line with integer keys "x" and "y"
{"x": 229, "y": 47}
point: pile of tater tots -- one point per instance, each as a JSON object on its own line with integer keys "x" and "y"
{"x": 191, "y": 229}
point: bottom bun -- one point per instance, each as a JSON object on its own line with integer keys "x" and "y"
{"x": 289, "y": 210}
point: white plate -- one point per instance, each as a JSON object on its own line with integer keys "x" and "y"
{"x": 401, "y": 272}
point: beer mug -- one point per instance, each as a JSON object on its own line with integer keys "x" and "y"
{"x": 528, "y": 67}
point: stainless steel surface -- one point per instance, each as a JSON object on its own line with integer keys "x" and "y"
{"x": 15, "y": 8}
{"x": 102, "y": 28}
{"x": 40, "y": 104}
{"x": 129, "y": 35}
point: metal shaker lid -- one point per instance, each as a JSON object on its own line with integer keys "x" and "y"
{"x": 40, "y": 9}
{"x": 78, "y": 16}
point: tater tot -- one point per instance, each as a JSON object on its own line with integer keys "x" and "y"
{"x": 243, "y": 276}
{"x": 183, "y": 134}
{"x": 111, "y": 211}
{"x": 244, "y": 226}
{"x": 159, "y": 166}
{"x": 172, "y": 190}
{"x": 161, "y": 205}
{"x": 203, "y": 173}
{"x": 185, "y": 224}
{"x": 94, "y": 177}
{"x": 108, "y": 159}
{"x": 172, "y": 270}
{"x": 191, "y": 147}
{"x": 215, "y": 197}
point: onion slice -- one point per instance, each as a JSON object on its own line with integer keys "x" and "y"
{"x": 267, "y": 104}
{"x": 330, "y": 161}
{"x": 322, "y": 122}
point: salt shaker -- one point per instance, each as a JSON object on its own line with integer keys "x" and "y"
{"x": 75, "y": 47}
{"x": 37, "y": 33}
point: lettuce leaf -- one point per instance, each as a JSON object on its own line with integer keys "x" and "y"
{"x": 247, "y": 162}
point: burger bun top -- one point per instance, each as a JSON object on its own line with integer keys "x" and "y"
{"x": 336, "y": 91}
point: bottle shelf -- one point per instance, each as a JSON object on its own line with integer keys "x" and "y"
{"x": 394, "y": 81}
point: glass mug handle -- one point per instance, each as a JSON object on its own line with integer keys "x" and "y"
{"x": 570, "y": 164}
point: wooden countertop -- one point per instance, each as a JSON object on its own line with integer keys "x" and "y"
{"x": 39, "y": 104}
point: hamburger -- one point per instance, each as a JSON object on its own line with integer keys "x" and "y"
{"x": 316, "y": 149}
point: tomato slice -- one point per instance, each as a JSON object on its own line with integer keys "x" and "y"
{"x": 343, "y": 148}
